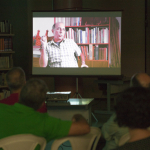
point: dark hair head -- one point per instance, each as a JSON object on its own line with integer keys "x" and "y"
{"x": 15, "y": 78}
{"x": 33, "y": 94}
{"x": 133, "y": 108}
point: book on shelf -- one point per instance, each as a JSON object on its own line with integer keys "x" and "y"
{"x": 73, "y": 21}
{"x": 85, "y": 52}
{"x": 83, "y": 36}
{"x": 2, "y": 27}
{"x": 89, "y": 37}
{"x": 6, "y": 27}
{"x": 106, "y": 53}
{"x": 4, "y": 62}
{"x": 87, "y": 34}
{"x": 69, "y": 21}
{"x": 1, "y": 44}
{"x": 99, "y": 35}
{"x": 102, "y": 35}
{"x": 96, "y": 35}
{"x": 103, "y": 53}
{"x": 75, "y": 36}
{"x": 80, "y": 33}
{"x": 96, "y": 52}
{"x": 6, "y": 44}
{"x": 106, "y": 31}
{"x": 93, "y": 35}
{"x": 70, "y": 34}
{"x": 90, "y": 51}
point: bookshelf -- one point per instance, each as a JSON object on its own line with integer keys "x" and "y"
{"x": 6, "y": 61}
{"x": 93, "y": 40}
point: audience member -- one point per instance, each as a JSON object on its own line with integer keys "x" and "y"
{"x": 133, "y": 111}
{"x": 140, "y": 80}
{"x": 110, "y": 130}
{"x": 21, "y": 118}
{"x": 16, "y": 80}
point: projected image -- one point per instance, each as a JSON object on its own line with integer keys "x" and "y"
{"x": 77, "y": 42}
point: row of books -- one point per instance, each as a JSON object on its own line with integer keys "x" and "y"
{"x": 5, "y": 62}
{"x": 94, "y": 52}
{"x": 5, "y": 27}
{"x": 94, "y": 35}
{"x": 6, "y": 44}
{"x": 85, "y": 51}
{"x": 69, "y": 21}
{"x": 100, "y": 53}
{"x": 79, "y": 21}
{"x": 4, "y": 94}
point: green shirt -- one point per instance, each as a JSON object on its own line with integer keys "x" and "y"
{"x": 20, "y": 119}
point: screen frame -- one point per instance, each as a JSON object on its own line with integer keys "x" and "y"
{"x": 75, "y": 71}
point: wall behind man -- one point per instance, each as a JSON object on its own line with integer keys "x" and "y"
{"x": 133, "y": 33}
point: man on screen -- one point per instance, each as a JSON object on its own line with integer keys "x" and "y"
{"x": 60, "y": 52}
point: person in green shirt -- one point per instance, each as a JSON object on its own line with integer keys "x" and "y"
{"x": 22, "y": 117}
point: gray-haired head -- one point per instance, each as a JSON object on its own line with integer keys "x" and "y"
{"x": 15, "y": 78}
{"x": 33, "y": 94}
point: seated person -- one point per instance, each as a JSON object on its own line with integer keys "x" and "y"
{"x": 22, "y": 117}
{"x": 16, "y": 80}
{"x": 110, "y": 130}
{"x": 133, "y": 111}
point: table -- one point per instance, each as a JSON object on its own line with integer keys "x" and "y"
{"x": 74, "y": 106}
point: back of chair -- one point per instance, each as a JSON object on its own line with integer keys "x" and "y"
{"x": 82, "y": 142}
{"x": 22, "y": 142}
{"x": 124, "y": 139}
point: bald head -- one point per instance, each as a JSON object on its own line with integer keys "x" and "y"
{"x": 140, "y": 80}
{"x": 58, "y": 30}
